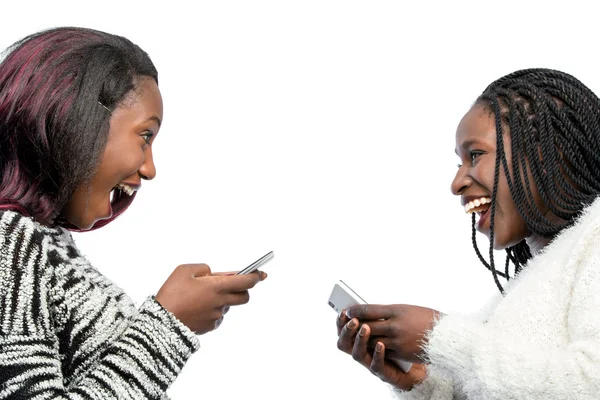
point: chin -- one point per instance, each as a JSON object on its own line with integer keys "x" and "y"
{"x": 117, "y": 207}
{"x": 85, "y": 224}
{"x": 77, "y": 225}
{"x": 89, "y": 220}
{"x": 501, "y": 243}
{"x": 500, "y": 246}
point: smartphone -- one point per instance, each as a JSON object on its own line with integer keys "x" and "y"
{"x": 257, "y": 264}
{"x": 343, "y": 297}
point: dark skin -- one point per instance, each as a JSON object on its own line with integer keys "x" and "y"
{"x": 127, "y": 159}
{"x": 193, "y": 293}
{"x": 476, "y": 147}
{"x": 368, "y": 332}
{"x": 200, "y": 298}
{"x": 378, "y": 331}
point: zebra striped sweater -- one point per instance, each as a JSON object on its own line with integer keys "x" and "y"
{"x": 67, "y": 332}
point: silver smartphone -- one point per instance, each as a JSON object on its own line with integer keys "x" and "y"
{"x": 257, "y": 264}
{"x": 343, "y": 297}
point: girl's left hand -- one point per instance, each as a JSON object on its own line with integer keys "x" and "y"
{"x": 401, "y": 328}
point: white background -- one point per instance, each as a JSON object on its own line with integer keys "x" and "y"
{"x": 324, "y": 131}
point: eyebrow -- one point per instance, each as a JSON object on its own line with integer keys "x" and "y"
{"x": 155, "y": 118}
{"x": 466, "y": 144}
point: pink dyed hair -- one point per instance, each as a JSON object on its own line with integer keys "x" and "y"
{"x": 53, "y": 128}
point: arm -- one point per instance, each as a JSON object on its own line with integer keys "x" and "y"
{"x": 434, "y": 387}
{"x": 140, "y": 363}
{"x": 438, "y": 385}
{"x": 420, "y": 383}
{"x": 492, "y": 366}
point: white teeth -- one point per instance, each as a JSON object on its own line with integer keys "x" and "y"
{"x": 126, "y": 188}
{"x": 476, "y": 203}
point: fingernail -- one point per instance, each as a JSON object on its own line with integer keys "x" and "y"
{"x": 378, "y": 347}
{"x": 342, "y": 314}
{"x": 352, "y": 324}
{"x": 348, "y": 313}
{"x": 362, "y": 331}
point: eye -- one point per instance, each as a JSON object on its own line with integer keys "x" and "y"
{"x": 147, "y": 136}
{"x": 474, "y": 154}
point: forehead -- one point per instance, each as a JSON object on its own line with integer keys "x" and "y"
{"x": 476, "y": 126}
{"x": 144, "y": 101}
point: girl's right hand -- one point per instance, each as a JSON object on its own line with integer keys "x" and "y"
{"x": 353, "y": 338}
{"x": 199, "y": 298}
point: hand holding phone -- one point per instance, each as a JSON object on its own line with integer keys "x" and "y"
{"x": 343, "y": 297}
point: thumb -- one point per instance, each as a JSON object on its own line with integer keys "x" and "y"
{"x": 224, "y": 273}
{"x": 197, "y": 270}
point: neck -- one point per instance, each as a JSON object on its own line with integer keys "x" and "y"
{"x": 536, "y": 244}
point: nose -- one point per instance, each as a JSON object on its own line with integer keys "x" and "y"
{"x": 461, "y": 182}
{"x": 147, "y": 170}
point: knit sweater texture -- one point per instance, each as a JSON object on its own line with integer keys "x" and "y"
{"x": 539, "y": 341}
{"x": 67, "y": 332}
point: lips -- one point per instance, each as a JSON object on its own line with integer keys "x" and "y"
{"x": 476, "y": 204}
{"x": 480, "y": 205}
{"x": 119, "y": 203}
{"x": 483, "y": 217}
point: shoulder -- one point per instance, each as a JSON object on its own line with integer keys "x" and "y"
{"x": 30, "y": 252}
{"x": 26, "y": 273}
{"x": 16, "y": 227}
{"x": 20, "y": 236}
{"x": 575, "y": 249}
{"x": 582, "y": 239}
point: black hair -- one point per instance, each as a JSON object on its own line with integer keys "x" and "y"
{"x": 553, "y": 121}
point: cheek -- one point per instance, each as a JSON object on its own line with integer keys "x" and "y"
{"x": 510, "y": 227}
{"x": 131, "y": 161}
{"x": 117, "y": 165}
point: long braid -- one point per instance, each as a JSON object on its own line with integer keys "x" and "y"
{"x": 553, "y": 121}
{"x": 474, "y": 241}
{"x": 499, "y": 147}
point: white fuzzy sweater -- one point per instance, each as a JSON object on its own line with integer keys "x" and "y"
{"x": 540, "y": 341}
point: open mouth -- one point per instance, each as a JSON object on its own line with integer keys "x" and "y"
{"x": 481, "y": 210}
{"x": 121, "y": 190}
{"x": 125, "y": 188}
{"x": 481, "y": 207}
{"x": 120, "y": 198}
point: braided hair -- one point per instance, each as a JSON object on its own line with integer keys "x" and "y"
{"x": 554, "y": 125}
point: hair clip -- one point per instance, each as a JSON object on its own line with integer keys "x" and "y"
{"x": 106, "y": 108}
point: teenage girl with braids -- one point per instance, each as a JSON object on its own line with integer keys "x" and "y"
{"x": 530, "y": 177}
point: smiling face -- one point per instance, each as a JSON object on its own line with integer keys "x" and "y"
{"x": 474, "y": 181}
{"x": 127, "y": 158}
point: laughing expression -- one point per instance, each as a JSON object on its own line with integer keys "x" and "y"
{"x": 474, "y": 181}
{"x": 127, "y": 159}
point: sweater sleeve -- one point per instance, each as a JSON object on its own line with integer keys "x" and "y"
{"x": 434, "y": 387}
{"x": 489, "y": 366}
{"x": 439, "y": 385}
{"x": 141, "y": 362}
